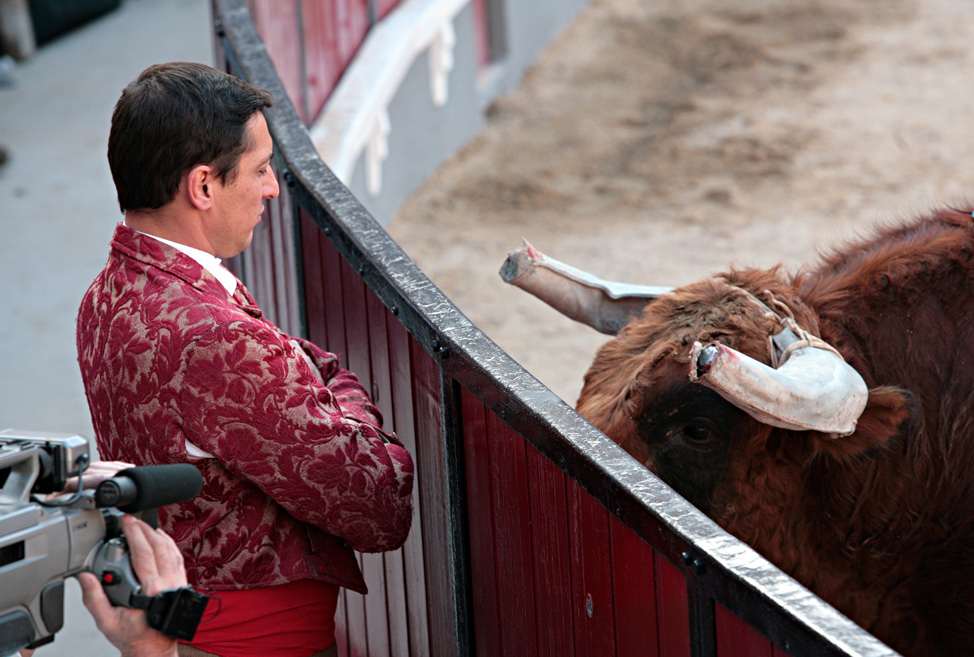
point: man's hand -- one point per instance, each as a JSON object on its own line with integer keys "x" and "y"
{"x": 96, "y": 473}
{"x": 159, "y": 566}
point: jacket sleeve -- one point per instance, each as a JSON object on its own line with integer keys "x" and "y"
{"x": 345, "y": 386}
{"x": 251, "y": 400}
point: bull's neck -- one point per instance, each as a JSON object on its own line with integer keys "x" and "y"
{"x": 820, "y": 522}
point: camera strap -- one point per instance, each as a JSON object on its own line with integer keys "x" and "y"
{"x": 175, "y": 613}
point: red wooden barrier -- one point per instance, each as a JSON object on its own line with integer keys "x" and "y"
{"x": 391, "y": 620}
{"x": 554, "y": 574}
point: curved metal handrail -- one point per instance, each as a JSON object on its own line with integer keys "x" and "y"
{"x": 715, "y": 562}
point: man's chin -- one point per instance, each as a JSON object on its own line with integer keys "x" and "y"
{"x": 246, "y": 243}
{"x": 239, "y": 248}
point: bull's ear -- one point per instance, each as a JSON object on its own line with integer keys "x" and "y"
{"x": 613, "y": 395}
{"x": 888, "y": 415}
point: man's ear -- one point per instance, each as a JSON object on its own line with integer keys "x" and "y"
{"x": 199, "y": 186}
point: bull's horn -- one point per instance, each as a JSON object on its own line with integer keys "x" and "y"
{"x": 815, "y": 390}
{"x": 603, "y": 305}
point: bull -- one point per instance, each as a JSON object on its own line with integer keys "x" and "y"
{"x": 825, "y": 418}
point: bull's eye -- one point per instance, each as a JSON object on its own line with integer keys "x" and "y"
{"x": 699, "y": 433}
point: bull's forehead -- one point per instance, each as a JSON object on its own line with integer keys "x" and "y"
{"x": 707, "y": 313}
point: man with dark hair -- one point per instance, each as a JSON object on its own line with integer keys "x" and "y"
{"x": 180, "y": 366}
{"x": 172, "y": 118}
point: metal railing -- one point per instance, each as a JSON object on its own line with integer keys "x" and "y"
{"x": 534, "y": 533}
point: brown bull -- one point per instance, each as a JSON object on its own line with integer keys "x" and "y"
{"x": 878, "y": 522}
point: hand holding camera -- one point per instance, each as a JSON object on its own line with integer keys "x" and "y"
{"x": 159, "y": 565}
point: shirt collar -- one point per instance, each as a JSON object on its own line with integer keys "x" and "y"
{"x": 207, "y": 261}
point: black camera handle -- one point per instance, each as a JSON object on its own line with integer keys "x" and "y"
{"x": 175, "y": 613}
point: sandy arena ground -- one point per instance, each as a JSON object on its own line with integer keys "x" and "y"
{"x": 659, "y": 142}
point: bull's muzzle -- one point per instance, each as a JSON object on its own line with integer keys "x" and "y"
{"x": 813, "y": 390}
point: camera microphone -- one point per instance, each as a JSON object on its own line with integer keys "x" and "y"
{"x": 149, "y": 487}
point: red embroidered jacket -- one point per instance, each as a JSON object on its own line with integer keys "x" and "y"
{"x": 301, "y": 471}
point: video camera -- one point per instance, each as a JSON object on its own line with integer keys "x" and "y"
{"x": 44, "y": 541}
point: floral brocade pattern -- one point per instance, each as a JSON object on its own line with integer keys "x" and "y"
{"x": 302, "y": 471}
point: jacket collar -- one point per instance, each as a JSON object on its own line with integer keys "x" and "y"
{"x": 154, "y": 253}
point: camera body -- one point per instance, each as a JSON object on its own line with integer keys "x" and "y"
{"x": 42, "y": 542}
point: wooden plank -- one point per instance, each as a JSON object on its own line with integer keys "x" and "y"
{"x": 376, "y": 612}
{"x": 258, "y": 263}
{"x": 333, "y": 307}
{"x": 353, "y": 310}
{"x": 352, "y": 17}
{"x": 341, "y": 627}
{"x": 396, "y": 625}
{"x": 323, "y": 63}
{"x": 314, "y": 298}
{"x": 404, "y": 423}
{"x": 431, "y": 470}
{"x": 634, "y": 592}
{"x": 673, "y": 616}
{"x": 512, "y": 540}
{"x": 369, "y": 309}
{"x": 277, "y": 264}
{"x": 356, "y": 324}
{"x": 480, "y": 517}
{"x": 397, "y": 603}
{"x": 358, "y": 631}
{"x": 592, "y": 599}
{"x": 703, "y": 624}
{"x": 381, "y": 386}
{"x": 735, "y": 638}
{"x": 552, "y": 556}
{"x": 383, "y": 7}
{"x": 285, "y": 265}
{"x": 277, "y": 22}
{"x": 481, "y": 26}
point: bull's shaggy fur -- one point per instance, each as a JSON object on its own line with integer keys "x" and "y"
{"x": 879, "y": 523}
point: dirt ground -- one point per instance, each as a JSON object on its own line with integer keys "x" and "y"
{"x": 659, "y": 141}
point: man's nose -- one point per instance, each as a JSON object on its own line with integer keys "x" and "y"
{"x": 271, "y": 187}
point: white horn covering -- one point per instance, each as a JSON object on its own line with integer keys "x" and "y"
{"x": 814, "y": 390}
{"x": 604, "y": 305}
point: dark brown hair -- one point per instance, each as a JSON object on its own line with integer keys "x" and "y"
{"x": 172, "y": 118}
